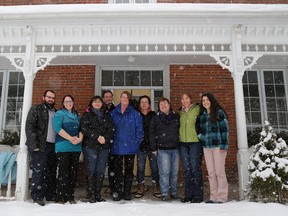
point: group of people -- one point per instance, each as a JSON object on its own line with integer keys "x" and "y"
{"x": 114, "y": 135}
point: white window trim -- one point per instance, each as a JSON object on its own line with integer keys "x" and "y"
{"x": 262, "y": 95}
{"x": 165, "y": 88}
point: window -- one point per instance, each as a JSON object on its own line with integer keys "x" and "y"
{"x": 265, "y": 98}
{"x": 139, "y": 82}
{"x": 11, "y": 98}
{"x": 132, "y": 78}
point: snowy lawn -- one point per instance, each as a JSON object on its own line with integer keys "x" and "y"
{"x": 143, "y": 208}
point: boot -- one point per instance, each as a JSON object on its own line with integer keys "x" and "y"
{"x": 140, "y": 191}
{"x": 99, "y": 183}
{"x": 156, "y": 190}
{"x": 91, "y": 188}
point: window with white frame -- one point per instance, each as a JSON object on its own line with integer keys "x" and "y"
{"x": 265, "y": 95}
{"x": 11, "y": 98}
{"x": 132, "y": 1}
{"x": 135, "y": 79}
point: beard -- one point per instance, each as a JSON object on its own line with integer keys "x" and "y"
{"x": 49, "y": 105}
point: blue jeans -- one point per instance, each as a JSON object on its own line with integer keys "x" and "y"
{"x": 96, "y": 160}
{"x": 168, "y": 164}
{"x": 191, "y": 155}
{"x": 141, "y": 162}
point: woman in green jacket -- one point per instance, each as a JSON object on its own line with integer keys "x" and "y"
{"x": 190, "y": 150}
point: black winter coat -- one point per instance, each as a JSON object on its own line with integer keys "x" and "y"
{"x": 145, "y": 145}
{"x": 92, "y": 128}
{"x": 164, "y": 131}
{"x": 36, "y": 127}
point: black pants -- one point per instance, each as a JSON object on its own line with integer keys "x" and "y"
{"x": 44, "y": 173}
{"x": 123, "y": 167}
{"x": 68, "y": 163}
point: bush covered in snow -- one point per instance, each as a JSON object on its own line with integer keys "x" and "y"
{"x": 268, "y": 168}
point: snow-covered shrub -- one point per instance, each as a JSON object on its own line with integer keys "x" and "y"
{"x": 268, "y": 168}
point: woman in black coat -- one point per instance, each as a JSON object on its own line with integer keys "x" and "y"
{"x": 98, "y": 130}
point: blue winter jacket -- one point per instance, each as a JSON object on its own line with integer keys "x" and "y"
{"x": 129, "y": 131}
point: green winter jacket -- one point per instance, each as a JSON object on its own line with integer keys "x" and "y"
{"x": 187, "y": 131}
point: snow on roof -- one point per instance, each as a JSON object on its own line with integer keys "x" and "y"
{"x": 144, "y": 9}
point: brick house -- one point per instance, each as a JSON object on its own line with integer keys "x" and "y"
{"x": 234, "y": 49}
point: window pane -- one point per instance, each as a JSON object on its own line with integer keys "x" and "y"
{"x": 280, "y": 91}
{"x": 21, "y": 78}
{"x": 245, "y": 90}
{"x": 107, "y": 78}
{"x": 157, "y": 78}
{"x": 278, "y": 76}
{"x": 255, "y": 104}
{"x": 157, "y": 95}
{"x": 12, "y": 91}
{"x": 273, "y": 119}
{"x": 268, "y": 77}
{"x": 247, "y": 104}
{"x": 283, "y": 119}
{"x": 244, "y": 80}
{"x": 145, "y": 78}
{"x": 118, "y": 78}
{"x": 248, "y": 118}
{"x": 256, "y": 117}
{"x": 252, "y": 77}
{"x": 132, "y": 78}
{"x": 269, "y": 90}
{"x": 11, "y": 104}
{"x": 281, "y": 104}
{"x": 271, "y": 104}
{"x": 10, "y": 118}
{"x": 253, "y": 90}
{"x": 13, "y": 77}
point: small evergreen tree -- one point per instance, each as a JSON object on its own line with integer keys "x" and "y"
{"x": 268, "y": 168}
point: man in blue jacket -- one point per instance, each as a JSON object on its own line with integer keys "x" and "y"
{"x": 129, "y": 134}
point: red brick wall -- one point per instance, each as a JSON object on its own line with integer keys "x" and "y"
{"x": 38, "y": 2}
{"x": 212, "y": 78}
{"x": 79, "y": 81}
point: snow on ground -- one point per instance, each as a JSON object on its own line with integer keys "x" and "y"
{"x": 142, "y": 207}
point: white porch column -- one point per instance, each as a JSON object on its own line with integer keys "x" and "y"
{"x": 22, "y": 158}
{"x": 243, "y": 154}
{"x": 237, "y": 71}
{"x": 29, "y": 71}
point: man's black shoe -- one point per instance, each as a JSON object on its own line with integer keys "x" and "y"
{"x": 40, "y": 202}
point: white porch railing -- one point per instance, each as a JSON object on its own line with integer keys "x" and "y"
{"x": 7, "y": 191}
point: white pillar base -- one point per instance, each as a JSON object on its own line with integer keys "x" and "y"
{"x": 243, "y": 157}
{"x": 21, "y": 192}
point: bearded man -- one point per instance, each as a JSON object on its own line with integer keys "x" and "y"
{"x": 41, "y": 145}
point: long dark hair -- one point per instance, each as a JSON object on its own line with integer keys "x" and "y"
{"x": 215, "y": 106}
{"x": 73, "y": 110}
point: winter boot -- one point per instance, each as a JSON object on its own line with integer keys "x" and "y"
{"x": 140, "y": 191}
{"x": 156, "y": 190}
{"x": 99, "y": 183}
{"x": 92, "y": 190}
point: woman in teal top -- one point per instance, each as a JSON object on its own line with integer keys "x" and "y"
{"x": 66, "y": 123}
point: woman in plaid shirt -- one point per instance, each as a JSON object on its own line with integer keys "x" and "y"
{"x": 214, "y": 135}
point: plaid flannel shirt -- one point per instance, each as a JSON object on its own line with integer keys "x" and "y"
{"x": 214, "y": 134}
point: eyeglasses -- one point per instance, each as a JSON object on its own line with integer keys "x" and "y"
{"x": 53, "y": 98}
{"x": 68, "y": 102}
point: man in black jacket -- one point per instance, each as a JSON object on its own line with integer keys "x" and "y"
{"x": 41, "y": 145}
